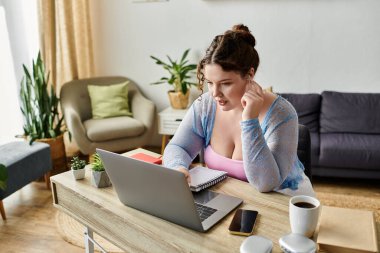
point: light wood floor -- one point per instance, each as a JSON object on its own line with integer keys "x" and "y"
{"x": 31, "y": 226}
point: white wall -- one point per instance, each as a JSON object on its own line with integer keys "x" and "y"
{"x": 304, "y": 45}
{"x": 18, "y": 45}
{"x": 22, "y": 23}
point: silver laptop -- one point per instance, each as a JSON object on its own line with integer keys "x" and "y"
{"x": 165, "y": 193}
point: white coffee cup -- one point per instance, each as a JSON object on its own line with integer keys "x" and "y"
{"x": 304, "y": 214}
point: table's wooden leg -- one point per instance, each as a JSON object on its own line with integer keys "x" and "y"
{"x": 2, "y": 211}
{"x": 164, "y": 142}
{"x": 88, "y": 235}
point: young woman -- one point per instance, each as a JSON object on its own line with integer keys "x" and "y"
{"x": 250, "y": 133}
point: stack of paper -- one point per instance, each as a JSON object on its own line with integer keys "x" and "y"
{"x": 345, "y": 230}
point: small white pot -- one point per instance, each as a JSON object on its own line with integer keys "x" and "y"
{"x": 79, "y": 174}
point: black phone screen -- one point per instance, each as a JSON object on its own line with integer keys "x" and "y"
{"x": 243, "y": 222}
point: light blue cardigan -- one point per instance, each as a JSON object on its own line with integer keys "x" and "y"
{"x": 269, "y": 150}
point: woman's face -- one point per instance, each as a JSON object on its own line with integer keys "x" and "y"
{"x": 226, "y": 87}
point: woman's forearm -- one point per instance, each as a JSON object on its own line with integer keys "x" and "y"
{"x": 267, "y": 162}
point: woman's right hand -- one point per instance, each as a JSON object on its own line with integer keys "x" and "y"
{"x": 186, "y": 173}
{"x": 252, "y": 101}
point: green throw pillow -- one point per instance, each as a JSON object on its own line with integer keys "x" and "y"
{"x": 109, "y": 101}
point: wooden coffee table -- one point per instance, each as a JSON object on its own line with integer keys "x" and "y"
{"x": 100, "y": 210}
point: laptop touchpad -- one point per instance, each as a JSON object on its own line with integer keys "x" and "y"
{"x": 204, "y": 196}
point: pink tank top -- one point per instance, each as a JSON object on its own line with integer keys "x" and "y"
{"x": 234, "y": 168}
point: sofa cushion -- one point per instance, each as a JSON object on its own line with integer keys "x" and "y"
{"x": 109, "y": 100}
{"x": 344, "y": 150}
{"x": 314, "y": 148}
{"x": 99, "y": 130}
{"x": 307, "y": 107}
{"x": 350, "y": 113}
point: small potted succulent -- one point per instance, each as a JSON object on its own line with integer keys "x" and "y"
{"x": 78, "y": 167}
{"x": 99, "y": 177}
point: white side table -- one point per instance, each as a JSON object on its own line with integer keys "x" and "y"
{"x": 168, "y": 122}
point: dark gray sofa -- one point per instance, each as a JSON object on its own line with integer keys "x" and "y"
{"x": 344, "y": 130}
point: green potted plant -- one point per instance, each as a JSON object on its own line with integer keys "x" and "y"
{"x": 39, "y": 106}
{"x": 179, "y": 76}
{"x": 99, "y": 177}
{"x": 3, "y": 176}
{"x": 78, "y": 167}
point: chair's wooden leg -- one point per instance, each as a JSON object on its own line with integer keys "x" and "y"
{"x": 164, "y": 142}
{"x": 2, "y": 211}
{"x": 47, "y": 179}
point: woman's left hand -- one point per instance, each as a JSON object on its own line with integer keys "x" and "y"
{"x": 252, "y": 101}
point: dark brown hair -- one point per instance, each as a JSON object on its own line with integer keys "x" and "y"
{"x": 233, "y": 51}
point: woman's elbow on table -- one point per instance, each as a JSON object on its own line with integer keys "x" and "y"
{"x": 263, "y": 185}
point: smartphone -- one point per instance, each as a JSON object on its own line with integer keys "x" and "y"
{"x": 243, "y": 222}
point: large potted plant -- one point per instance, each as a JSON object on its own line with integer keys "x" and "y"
{"x": 179, "y": 76}
{"x": 42, "y": 120}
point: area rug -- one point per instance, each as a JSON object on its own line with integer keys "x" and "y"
{"x": 73, "y": 232}
{"x": 349, "y": 201}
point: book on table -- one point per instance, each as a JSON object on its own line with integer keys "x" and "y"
{"x": 202, "y": 177}
{"x": 344, "y": 230}
{"x": 146, "y": 158}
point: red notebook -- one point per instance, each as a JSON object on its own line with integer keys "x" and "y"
{"x": 147, "y": 158}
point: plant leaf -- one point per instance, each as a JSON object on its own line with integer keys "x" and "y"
{"x": 184, "y": 55}
{"x": 180, "y": 72}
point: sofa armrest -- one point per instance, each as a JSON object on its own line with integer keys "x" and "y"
{"x": 76, "y": 128}
{"x": 143, "y": 110}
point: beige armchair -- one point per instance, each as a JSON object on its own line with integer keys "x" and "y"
{"x": 113, "y": 134}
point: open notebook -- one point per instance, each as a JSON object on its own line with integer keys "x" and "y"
{"x": 202, "y": 177}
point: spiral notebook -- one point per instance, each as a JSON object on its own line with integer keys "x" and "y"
{"x": 202, "y": 178}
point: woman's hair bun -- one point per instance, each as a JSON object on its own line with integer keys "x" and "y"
{"x": 240, "y": 28}
{"x": 244, "y": 32}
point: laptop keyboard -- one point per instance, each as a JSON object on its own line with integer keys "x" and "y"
{"x": 204, "y": 211}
